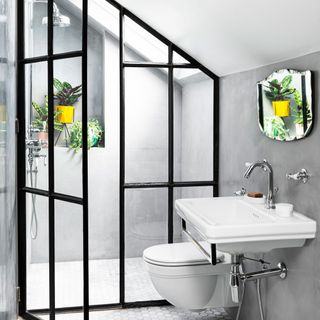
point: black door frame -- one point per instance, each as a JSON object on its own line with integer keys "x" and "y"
{"x": 53, "y": 196}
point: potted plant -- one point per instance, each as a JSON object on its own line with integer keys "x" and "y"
{"x": 40, "y": 120}
{"x": 279, "y": 93}
{"x": 298, "y": 115}
{"x": 67, "y": 96}
{"x": 94, "y": 134}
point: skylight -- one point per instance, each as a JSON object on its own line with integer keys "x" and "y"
{"x": 105, "y": 17}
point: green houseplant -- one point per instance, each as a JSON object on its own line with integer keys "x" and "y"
{"x": 66, "y": 97}
{"x": 94, "y": 134}
{"x": 298, "y": 114}
{"x": 279, "y": 93}
{"x": 40, "y": 120}
{"x": 275, "y": 128}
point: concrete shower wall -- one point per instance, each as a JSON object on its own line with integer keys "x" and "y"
{"x": 241, "y": 140}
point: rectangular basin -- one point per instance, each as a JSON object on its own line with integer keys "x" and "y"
{"x": 237, "y": 226}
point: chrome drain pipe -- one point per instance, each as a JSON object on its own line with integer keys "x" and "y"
{"x": 238, "y": 275}
{"x": 280, "y": 271}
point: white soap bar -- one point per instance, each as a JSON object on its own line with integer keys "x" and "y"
{"x": 284, "y": 210}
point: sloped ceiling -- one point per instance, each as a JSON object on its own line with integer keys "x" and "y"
{"x": 229, "y": 36}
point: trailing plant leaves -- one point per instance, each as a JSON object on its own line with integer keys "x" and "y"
{"x": 94, "y": 134}
{"x": 286, "y": 81}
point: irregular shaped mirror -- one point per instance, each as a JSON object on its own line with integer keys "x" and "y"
{"x": 285, "y": 105}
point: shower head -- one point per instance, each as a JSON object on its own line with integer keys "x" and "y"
{"x": 59, "y": 20}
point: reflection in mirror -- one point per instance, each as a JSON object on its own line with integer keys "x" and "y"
{"x": 285, "y": 105}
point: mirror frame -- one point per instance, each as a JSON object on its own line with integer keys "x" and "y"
{"x": 310, "y": 101}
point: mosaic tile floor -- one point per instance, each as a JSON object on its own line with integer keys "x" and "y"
{"x": 104, "y": 283}
{"x": 152, "y": 313}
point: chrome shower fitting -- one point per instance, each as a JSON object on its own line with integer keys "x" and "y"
{"x": 34, "y": 147}
{"x": 59, "y": 20}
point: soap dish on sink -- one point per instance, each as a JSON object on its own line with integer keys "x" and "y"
{"x": 255, "y": 200}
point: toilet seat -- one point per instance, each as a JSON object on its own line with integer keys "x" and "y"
{"x": 177, "y": 254}
{"x": 182, "y": 259}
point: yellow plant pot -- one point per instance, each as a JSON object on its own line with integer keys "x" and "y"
{"x": 281, "y": 108}
{"x": 65, "y": 114}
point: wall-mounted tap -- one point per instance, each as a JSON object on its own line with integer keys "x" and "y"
{"x": 302, "y": 175}
{"x": 266, "y": 166}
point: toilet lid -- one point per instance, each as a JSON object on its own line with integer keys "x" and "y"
{"x": 176, "y": 254}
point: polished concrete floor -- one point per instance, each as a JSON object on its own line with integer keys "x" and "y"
{"x": 104, "y": 289}
{"x": 151, "y": 313}
{"x": 104, "y": 283}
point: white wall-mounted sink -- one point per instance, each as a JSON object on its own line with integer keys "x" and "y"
{"x": 237, "y": 227}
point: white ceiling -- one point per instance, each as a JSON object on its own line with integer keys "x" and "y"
{"x": 229, "y": 36}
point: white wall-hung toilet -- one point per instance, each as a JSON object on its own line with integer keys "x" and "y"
{"x": 182, "y": 275}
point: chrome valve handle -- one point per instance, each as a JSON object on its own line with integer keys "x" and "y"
{"x": 303, "y": 175}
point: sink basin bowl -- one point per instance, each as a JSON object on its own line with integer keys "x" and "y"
{"x": 237, "y": 226}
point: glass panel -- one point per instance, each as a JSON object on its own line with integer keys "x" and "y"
{"x": 68, "y": 136}
{"x": 103, "y": 104}
{"x": 68, "y": 254}
{"x": 36, "y": 43}
{"x": 103, "y": 54}
{"x": 140, "y": 45}
{"x": 37, "y": 252}
{"x": 186, "y": 193}
{"x": 67, "y": 22}
{"x": 146, "y": 125}
{"x": 146, "y": 225}
{"x": 36, "y": 125}
{"x": 177, "y": 58}
{"x": 193, "y": 107}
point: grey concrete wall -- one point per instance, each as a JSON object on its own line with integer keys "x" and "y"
{"x": 241, "y": 140}
{"x": 8, "y": 221}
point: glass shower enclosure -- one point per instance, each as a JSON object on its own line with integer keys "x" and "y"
{"x": 116, "y": 122}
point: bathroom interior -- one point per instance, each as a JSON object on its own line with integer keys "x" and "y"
{"x": 158, "y": 160}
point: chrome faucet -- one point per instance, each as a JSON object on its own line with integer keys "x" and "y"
{"x": 266, "y": 166}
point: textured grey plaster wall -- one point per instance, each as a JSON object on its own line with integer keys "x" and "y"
{"x": 241, "y": 140}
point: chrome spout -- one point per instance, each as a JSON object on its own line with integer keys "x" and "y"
{"x": 266, "y": 166}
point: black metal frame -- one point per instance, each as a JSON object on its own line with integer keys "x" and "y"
{"x": 52, "y": 195}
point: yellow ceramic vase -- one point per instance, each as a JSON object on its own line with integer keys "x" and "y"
{"x": 65, "y": 114}
{"x": 281, "y": 108}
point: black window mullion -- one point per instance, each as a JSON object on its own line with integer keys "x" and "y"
{"x": 170, "y": 145}
{"x": 51, "y": 221}
{"x": 21, "y": 158}
{"x": 216, "y": 102}
{"x": 122, "y": 163}
{"x": 85, "y": 193}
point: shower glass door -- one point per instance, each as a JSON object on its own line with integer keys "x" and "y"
{"x": 53, "y": 181}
